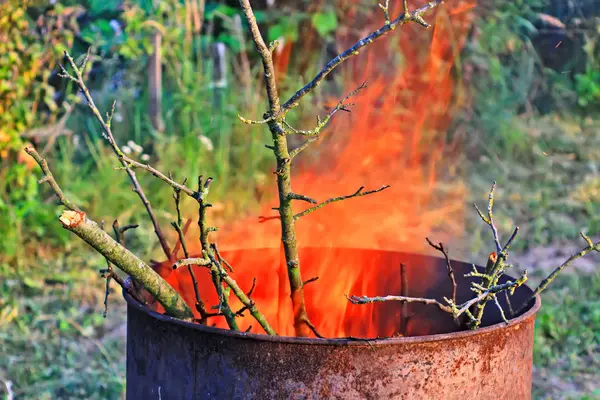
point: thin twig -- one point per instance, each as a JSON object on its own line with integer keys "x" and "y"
{"x": 358, "y": 193}
{"x": 500, "y": 308}
{"x": 120, "y": 231}
{"x": 313, "y": 279}
{"x": 107, "y": 133}
{"x": 440, "y": 248}
{"x": 489, "y": 220}
{"x": 458, "y": 310}
{"x": 544, "y": 284}
{"x": 321, "y": 123}
{"x": 415, "y": 16}
{"x": 216, "y": 249}
{"x": 48, "y": 177}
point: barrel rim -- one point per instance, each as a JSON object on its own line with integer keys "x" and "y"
{"x": 529, "y": 314}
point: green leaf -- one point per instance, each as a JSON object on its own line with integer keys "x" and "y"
{"x": 324, "y": 22}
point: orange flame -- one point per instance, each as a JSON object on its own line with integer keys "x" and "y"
{"x": 395, "y": 135}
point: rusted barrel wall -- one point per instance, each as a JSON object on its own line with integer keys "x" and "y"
{"x": 171, "y": 359}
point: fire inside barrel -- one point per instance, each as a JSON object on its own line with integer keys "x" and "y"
{"x": 394, "y": 136}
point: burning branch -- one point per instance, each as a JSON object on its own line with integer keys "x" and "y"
{"x": 77, "y": 222}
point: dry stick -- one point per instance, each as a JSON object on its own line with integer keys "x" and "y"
{"x": 455, "y": 310}
{"x": 544, "y": 284}
{"x": 358, "y": 193}
{"x": 48, "y": 177}
{"x": 458, "y": 310}
{"x": 120, "y": 238}
{"x": 221, "y": 259}
{"x": 489, "y": 220}
{"x": 191, "y": 261}
{"x": 496, "y": 262}
{"x": 107, "y": 133}
{"x": 440, "y": 248}
{"x": 246, "y": 300}
{"x": 77, "y": 222}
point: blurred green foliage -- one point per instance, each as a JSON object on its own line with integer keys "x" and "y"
{"x": 546, "y": 167}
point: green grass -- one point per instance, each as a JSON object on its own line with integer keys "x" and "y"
{"x": 567, "y": 340}
{"x": 54, "y": 340}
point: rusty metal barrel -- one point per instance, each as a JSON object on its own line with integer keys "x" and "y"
{"x": 172, "y": 359}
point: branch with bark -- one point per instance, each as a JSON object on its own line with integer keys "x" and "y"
{"x": 280, "y": 129}
{"x": 489, "y": 287}
{"x": 80, "y": 224}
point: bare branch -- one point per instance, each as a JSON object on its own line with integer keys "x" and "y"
{"x": 440, "y": 248}
{"x": 266, "y": 56}
{"x": 321, "y": 123}
{"x": 544, "y": 284}
{"x": 107, "y": 133}
{"x": 120, "y": 231}
{"x": 386, "y": 11}
{"x": 416, "y": 16}
{"x": 500, "y": 308}
{"x": 243, "y": 297}
{"x": 255, "y": 122}
{"x": 403, "y": 299}
{"x": 313, "y": 279}
{"x": 48, "y": 177}
{"x": 302, "y": 147}
{"x": 358, "y": 193}
{"x": 221, "y": 259}
{"x": 510, "y": 286}
{"x": 489, "y": 220}
{"x": 295, "y": 196}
